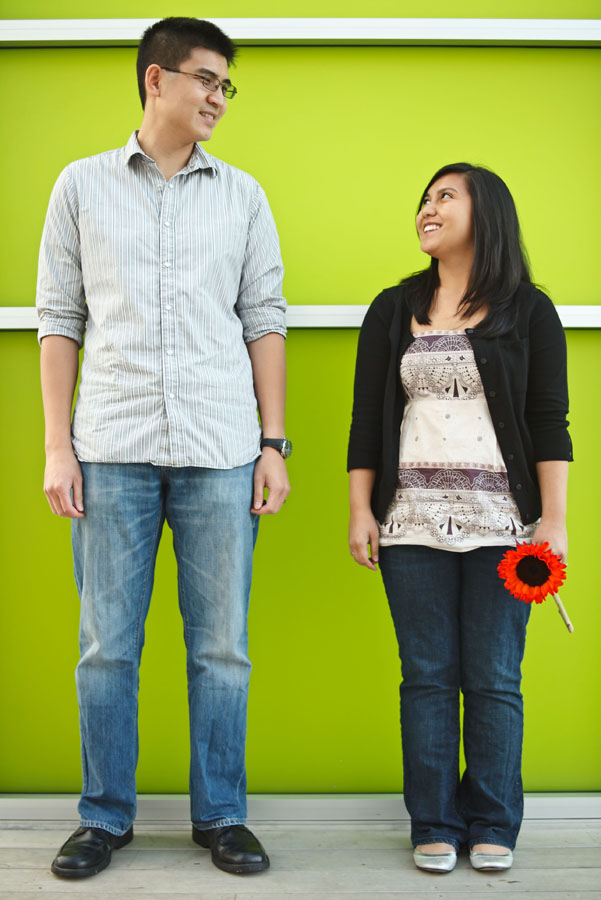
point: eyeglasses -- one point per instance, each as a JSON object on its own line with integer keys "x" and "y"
{"x": 209, "y": 82}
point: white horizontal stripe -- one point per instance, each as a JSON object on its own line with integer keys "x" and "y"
{"x": 25, "y": 318}
{"x": 566, "y": 32}
{"x": 172, "y": 808}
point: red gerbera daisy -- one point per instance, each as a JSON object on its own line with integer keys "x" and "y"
{"x": 531, "y": 571}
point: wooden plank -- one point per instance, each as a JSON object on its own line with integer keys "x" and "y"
{"x": 388, "y": 895}
{"x": 534, "y": 835}
{"x": 148, "y": 859}
{"x": 127, "y": 895}
{"x": 444, "y": 895}
{"x": 412, "y": 894}
{"x": 318, "y": 879}
{"x": 370, "y": 862}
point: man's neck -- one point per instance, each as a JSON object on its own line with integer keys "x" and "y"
{"x": 169, "y": 155}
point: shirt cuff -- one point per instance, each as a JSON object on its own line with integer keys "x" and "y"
{"x": 61, "y": 328}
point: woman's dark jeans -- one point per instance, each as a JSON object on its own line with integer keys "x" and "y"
{"x": 458, "y": 630}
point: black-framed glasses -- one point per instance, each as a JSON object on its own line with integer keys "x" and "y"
{"x": 209, "y": 82}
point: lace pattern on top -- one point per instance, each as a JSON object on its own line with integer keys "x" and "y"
{"x": 452, "y": 489}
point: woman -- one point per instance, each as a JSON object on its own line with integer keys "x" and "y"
{"x": 450, "y": 464}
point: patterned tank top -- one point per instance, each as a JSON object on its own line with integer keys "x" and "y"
{"x": 452, "y": 489}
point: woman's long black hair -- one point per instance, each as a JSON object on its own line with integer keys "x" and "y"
{"x": 500, "y": 262}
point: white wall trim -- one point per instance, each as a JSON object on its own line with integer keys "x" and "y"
{"x": 173, "y": 809}
{"x": 18, "y": 318}
{"x": 24, "y": 318}
{"x": 529, "y": 32}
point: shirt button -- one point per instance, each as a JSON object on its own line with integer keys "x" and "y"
{"x": 167, "y": 264}
{"x": 518, "y": 487}
{"x": 168, "y": 306}
{"x": 167, "y": 224}
{"x": 484, "y": 360}
{"x": 510, "y": 456}
{"x": 469, "y": 330}
{"x": 492, "y": 393}
{"x": 171, "y": 185}
{"x": 171, "y": 396}
{"x": 169, "y": 352}
{"x": 501, "y": 424}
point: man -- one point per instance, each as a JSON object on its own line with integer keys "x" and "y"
{"x": 169, "y": 259}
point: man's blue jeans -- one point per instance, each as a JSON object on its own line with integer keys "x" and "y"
{"x": 458, "y": 630}
{"x": 115, "y": 548}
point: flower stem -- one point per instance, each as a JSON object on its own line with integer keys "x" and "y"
{"x": 562, "y": 612}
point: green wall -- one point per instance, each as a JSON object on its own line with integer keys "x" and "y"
{"x": 343, "y": 140}
{"x": 521, "y": 9}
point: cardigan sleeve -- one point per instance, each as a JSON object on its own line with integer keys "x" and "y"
{"x": 547, "y": 393}
{"x": 373, "y": 355}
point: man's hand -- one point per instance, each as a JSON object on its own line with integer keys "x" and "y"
{"x": 61, "y": 477}
{"x": 270, "y": 473}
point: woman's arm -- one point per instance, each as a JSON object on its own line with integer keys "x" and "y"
{"x": 365, "y": 442}
{"x": 547, "y": 390}
{"x": 363, "y": 528}
{"x": 546, "y": 414}
{"x": 553, "y": 483}
{"x": 371, "y": 367}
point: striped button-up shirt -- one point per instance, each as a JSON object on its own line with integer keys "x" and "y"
{"x": 169, "y": 281}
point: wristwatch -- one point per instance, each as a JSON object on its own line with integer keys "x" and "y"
{"x": 282, "y": 445}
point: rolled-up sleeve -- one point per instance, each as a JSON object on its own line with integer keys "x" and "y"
{"x": 60, "y": 297}
{"x": 260, "y": 305}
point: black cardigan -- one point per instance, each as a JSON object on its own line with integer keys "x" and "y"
{"x": 525, "y": 383}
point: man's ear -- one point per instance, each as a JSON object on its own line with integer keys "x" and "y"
{"x": 152, "y": 80}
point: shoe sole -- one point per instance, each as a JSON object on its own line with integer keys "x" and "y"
{"x": 78, "y": 873}
{"x": 434, "y": 871}
{"x": 491, "y": 868}
{"x": 231, "y": 868}
{"x": 238, "y": 869}
{"x": 122, "y": 841}
{"x": 487, "y": 862}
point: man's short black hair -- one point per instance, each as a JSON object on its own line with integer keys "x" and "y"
{"x": 171, "y": 41}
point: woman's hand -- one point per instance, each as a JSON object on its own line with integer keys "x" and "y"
{"x": 363, "y": 534}
{"x": 553, "y": 482}
{"x": 556, "y": 536}
{"x": 363, "y": 528}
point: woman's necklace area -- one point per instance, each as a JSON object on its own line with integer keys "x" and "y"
{"x": 446, "y": 316}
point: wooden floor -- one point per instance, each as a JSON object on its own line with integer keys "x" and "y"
{"x": 555, "y": 860}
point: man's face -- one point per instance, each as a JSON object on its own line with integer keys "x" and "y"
{"x": 189, "y": 110}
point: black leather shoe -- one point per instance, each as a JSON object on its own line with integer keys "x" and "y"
{"x": 233, "y": 848}
{"x": 87, "y": 852}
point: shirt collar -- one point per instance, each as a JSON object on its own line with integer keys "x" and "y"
{"x": 198, "y": 160}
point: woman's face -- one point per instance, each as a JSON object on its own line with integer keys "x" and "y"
{"x": 444, "y": 222}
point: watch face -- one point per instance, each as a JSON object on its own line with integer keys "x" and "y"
{"x": 286, "y": 448}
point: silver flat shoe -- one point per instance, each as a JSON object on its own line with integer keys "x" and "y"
{"x": 435, "y": 862}
{"x": 491, "y": 862}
